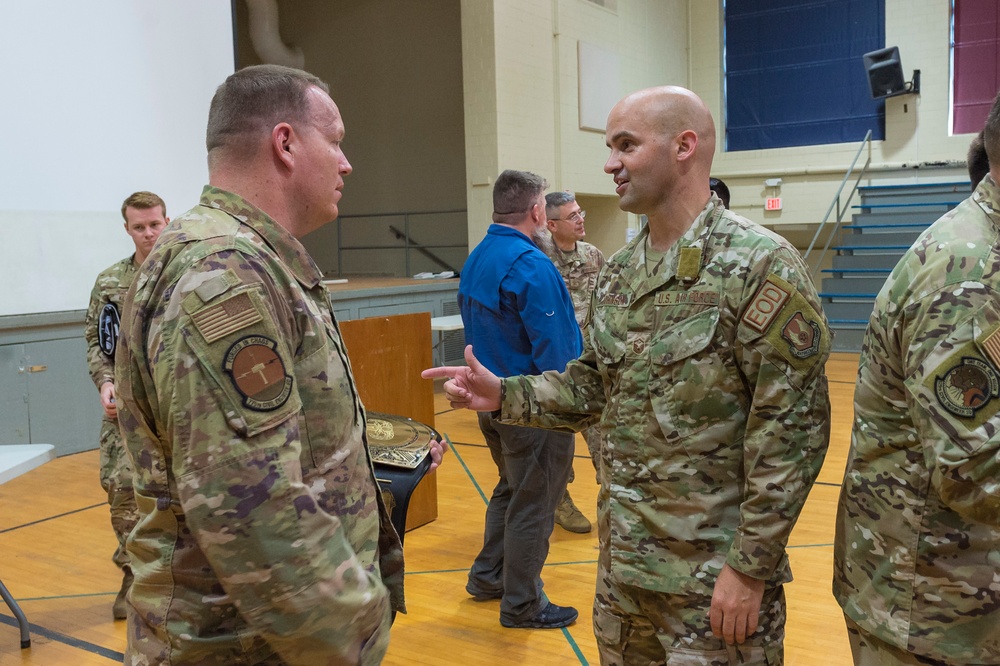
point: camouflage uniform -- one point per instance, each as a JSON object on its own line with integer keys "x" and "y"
{"x": 262, "y": 537}
{"x": 101, "y": 332}
{"x": 917, "y": 551}
{"x": 706, "y": 368}
{"x": 579, "y": 269}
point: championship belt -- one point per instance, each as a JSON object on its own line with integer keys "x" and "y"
{"x": 400, "y": 450}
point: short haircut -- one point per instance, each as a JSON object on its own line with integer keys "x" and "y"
{"x": 721, "y": 189}
{"x": 514, "y": 193}
{"x": 556, "y": 200}
{"x": 977, "y": 161}
{"x": 254, "y": 100}
{"x": 991, "y": 132}
{"x": 143, "y": 200}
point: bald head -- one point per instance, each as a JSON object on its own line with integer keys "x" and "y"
{"x": 670, "y": 110}
{"x": 662, "y": 142}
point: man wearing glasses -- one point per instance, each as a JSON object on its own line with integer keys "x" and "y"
{"x": 578, "y": 263}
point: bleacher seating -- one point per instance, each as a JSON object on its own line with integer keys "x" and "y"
{"x": 887, "y": 222}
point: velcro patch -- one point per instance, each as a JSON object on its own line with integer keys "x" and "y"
{"x": 258, "y": 373}
{"x": 802, "y": 335}
{"x": 108, "y": 325}
{"x": 220, "y": 319}
{"x": 689, "y": 264}
{"x": 991, "y": 345}
{"x": 766, "y": 305}
{"x": 967, "y": 387}
{"x": 687, "y": 298}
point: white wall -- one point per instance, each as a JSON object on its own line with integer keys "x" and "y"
{"x": 101, "y": 99}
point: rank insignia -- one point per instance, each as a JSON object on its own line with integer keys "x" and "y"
{"x": 258, "y": 373}
{"x": 803, "y": 336}
{"x": 108, "y": 325}
{"x": 967, "y": 387}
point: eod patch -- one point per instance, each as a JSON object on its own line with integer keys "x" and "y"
{"x": 258, "y": 373}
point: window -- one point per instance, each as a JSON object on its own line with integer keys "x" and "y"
{"x": 794, "y": 74}
{"x": 975, "y": 52}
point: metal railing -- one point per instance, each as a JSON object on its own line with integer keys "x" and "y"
{"x": 404, "y": 234}
{"x": 841, "y": 209}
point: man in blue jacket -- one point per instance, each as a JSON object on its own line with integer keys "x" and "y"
{"x": 519, "y": 317}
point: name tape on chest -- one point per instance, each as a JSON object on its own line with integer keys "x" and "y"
{"x": 766, "y": 305}
{"x": 617, "y": 300}
{"x": 687, "y": 298}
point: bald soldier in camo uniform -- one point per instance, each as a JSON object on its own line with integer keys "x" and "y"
{"x": 145, "y": 216}
{"x": 704, "y": 360}
{"x": 917, "y": 549}
{"x": 263, "y": 538}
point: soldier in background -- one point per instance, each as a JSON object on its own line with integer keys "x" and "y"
{"x": 918, "y": 524}
{"x": 262, "y": 537}
{"x": 579, "y": 263}
{"x": 145, "y": 216}
{"x": 721, "y": 190}
{"x": 977, "y": 161}
{"x": 704, "y": 360}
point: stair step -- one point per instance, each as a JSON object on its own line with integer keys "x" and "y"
{"x": 943, "y": 205}
{"x": 853, "y": 285}
{"x": 859, "y": 296}
{"x": 867, "y": 261}
{"x": 891, "y": 225}
{"x": 854, "y": 271}
{"x": 851, "y": 248}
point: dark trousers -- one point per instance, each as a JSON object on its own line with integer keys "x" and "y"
{"x": 534, "y": 466}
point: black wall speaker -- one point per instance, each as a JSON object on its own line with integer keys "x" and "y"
{"x": 885, "y": 73}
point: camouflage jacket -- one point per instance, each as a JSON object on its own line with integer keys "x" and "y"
{"x": 917, "y": 551}
{"x": 579, "y": 268}
{"x": 707, "y": 373}
{"x": 261, "y": 527}
{"x": 101, "y": 326}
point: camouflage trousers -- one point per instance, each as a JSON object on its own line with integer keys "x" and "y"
{"x": 870, "y": 651}
{"x": 592, "y": 436}
{"x": 116, "y": 479}
{"x": 637, "y": 627}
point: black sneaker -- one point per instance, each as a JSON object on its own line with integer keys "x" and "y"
{"x": 550, "y": 617}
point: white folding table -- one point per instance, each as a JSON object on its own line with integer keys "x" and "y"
{"x": 15, "y": 460}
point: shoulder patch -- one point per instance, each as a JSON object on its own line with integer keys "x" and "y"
{"x": 220, "y": 319}
{"x": 967, "y": 387}
{"x": 802, "y": 335}
{"x": 766, "y": 304}
{"x": 258, "y": 373}
{"x": 108, "y": 325}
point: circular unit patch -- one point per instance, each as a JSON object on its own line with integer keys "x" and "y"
{"x": 258, "y": 373}
{"x": 967, "y": 387}
{"x": 108, "y": 325}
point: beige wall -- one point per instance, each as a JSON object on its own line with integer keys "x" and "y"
{"x": 521, "y": 55}
{"x": 917, "y": 127}
{"x": 395, "y": 70}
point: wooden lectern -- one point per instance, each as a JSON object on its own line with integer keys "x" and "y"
{"x": 387, "y": 355}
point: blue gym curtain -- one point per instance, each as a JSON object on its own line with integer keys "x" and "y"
{"x": 794, "y": 72}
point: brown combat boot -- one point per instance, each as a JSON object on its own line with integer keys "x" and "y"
{"x": 569, "y": 517}
{"x": 119, "y": 609}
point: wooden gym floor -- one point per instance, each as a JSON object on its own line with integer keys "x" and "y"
{"x": 56, "y": 546}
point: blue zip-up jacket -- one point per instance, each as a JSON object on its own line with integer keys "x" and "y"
{"x": 517, "y": 313}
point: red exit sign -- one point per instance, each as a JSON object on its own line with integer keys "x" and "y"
{"x": 772, "y": 203}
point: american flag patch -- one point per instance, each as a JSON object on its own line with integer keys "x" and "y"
{"x": 228, "y": 316}
{"x": 991, "y": 345}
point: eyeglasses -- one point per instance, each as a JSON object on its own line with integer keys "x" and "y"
{"x": 575, "y": 216}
